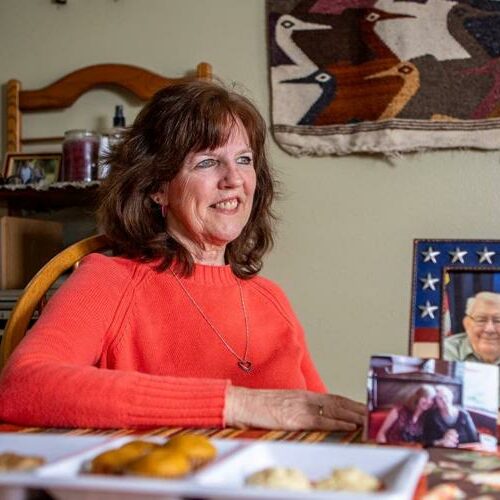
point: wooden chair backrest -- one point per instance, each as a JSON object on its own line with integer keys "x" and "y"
{"x": 64, "y": 92}
{"x": 36, "y": 289}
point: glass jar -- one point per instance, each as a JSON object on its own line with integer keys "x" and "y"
{"x": 80, "y": 155}
{"x": 108, "y": 141}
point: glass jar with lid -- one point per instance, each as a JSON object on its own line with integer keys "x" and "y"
{"x": 80, "y": 155}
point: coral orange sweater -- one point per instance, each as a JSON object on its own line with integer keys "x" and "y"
{"x": 122, "y": 345}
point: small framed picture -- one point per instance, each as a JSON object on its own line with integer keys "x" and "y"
{"x": 32, "y": 168}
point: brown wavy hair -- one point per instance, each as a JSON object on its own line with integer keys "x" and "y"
{"x": 186, "y": 117}
{"x": 425, "y": 390}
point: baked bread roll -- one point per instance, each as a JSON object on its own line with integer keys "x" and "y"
{"x": 114, "y": 461}
{"x": 198, "y": 448}
{"x": 162, "y": 462}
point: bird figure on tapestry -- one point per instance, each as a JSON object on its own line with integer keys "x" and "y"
{"x": 327, "y": 83}
{"x": 445, "y": 93}
{"x": 351, "y": 40}
{"x": 424, "y": 33}
{"x": 307, "y": 94}
{"x": 408, "y": 72}
{"x": 358, "y": 98}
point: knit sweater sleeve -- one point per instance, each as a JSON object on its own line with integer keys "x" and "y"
{"x": 53, "y": 379}
{"x": 467, "y": 432}
{"x": 308, "y": 368}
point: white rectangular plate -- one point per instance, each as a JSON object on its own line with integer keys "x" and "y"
{"x": 398, "y": 468}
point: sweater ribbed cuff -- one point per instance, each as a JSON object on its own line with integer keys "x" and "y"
{"x": 173, "y": 401}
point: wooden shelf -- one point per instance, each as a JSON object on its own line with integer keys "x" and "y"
{"x": 56, "y": 196}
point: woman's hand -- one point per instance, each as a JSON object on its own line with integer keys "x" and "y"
{"x": 291, "y": 410}
{"x": 449, "y": 440}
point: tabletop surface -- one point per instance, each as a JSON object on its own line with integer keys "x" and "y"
{"x": 475, "y": 474}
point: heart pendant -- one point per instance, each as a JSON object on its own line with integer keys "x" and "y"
{"x": 246, "y": 366}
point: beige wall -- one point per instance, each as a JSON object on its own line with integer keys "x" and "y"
{"x": 344, "y": 250}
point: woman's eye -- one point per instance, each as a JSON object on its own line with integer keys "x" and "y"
{"x": 209, "y": 162}
{"x": 245, "y": 160}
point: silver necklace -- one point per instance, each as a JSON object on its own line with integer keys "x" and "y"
{"x": 243, "y": 362}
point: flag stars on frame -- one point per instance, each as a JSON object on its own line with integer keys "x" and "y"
{"x": 486, "y": 256}
{"x": 428, "y": 310}
{"x": 429, "y": 282}
{"x": 458, "y": 255}
{"x": 430, "y": 255}
{"x": 472, "y": 253}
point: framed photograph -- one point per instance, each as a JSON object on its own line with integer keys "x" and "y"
{"x": 32, "y": 168}
{"x": 446, "y": 273}
{"x": 412, "y": 400}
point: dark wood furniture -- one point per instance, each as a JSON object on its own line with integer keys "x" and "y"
{"x": 64, "y": 92}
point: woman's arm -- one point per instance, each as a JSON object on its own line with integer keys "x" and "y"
{"x": 469, "y": 428}
{"x": 56, "y": 377}
{"x": 386, "y": 425}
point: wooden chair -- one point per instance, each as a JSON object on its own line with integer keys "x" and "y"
{"x": 65, "y": 91}
{"x": 35, "y": 292}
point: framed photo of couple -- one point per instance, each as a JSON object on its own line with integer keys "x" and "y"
{"x": 432, "y": 403}
{"x": 455, "y": 300}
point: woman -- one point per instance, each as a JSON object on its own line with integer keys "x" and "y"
{"x": 405, "y": 423}
{"x": 178, "y": 329}
{"x": 446, "y": 424}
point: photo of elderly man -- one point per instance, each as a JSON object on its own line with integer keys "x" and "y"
{"x": 481, "y": 339}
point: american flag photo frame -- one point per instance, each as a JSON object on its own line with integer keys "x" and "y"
{"x": 444, "y": 273}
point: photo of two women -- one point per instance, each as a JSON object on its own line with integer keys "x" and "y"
{"x": 432, "y": 403}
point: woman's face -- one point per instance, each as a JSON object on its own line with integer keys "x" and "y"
{"x": 425, "y": 402}
{"x": 443, "y": 399}
{"x": 209, "y": 201}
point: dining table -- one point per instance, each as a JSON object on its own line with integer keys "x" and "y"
{"x": 448, "y": 474}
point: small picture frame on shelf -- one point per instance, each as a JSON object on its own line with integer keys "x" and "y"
{"x": 32, "y": 168}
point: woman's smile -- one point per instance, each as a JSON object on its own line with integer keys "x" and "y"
{"x": 227, "y": 206}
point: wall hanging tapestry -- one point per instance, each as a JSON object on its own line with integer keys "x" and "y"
{"x": 384, "y": 75}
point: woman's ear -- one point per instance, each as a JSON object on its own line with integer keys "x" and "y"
{"x": 161, "y": 196}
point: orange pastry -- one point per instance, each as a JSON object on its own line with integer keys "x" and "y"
{"x": 139, "y": 447}
{"x": 198, "y": 448}
{"x": 113, "y": 461}
{"x": 164, "y": 462}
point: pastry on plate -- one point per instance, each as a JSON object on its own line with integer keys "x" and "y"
{"x": 162, "y": 462}
{"x": 113, "y": 461}
{"x": 198, "y": 448}
{"x": 349, "y": 479}
{"x": 10, "y": 461}
{"x": 281, "y": 478}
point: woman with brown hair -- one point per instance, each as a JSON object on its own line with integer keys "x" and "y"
{"x": 404, "y": 423}
{"x": 177, "y": 328}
